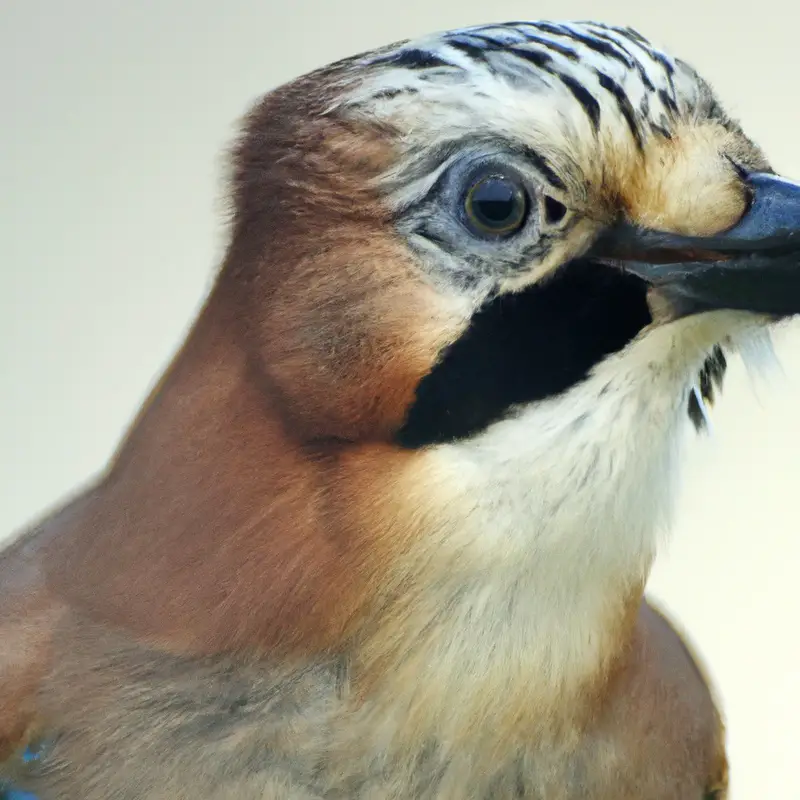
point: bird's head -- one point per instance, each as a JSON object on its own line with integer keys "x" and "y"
{"x": 443, "y": 236}
{"x": 484, "y": 281}
{"x": 506, "y": 262}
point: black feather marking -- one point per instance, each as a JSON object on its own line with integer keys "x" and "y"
{"x": 544, "y": 62}
{"x": 492, "y": 42}
{"x": 554, "y": 29}
{"x": 543, "y": 166}
{"x": 709, "y": 382}
{"x": 525, "y": 28}
{"x": 705, "y": 383}
{"x": 605, "y": 47}
{"x": 624, "y": 104}
{"x": 390, "y": 94}
{"x": 631, "y": 34}
{"x": 670, "y": 71}
{"x": 414, "y": 58}
{"x": 669, "y": 102}
{"x": 587, "y": 100}
{"x": 644, "y": 106}
{"x": 467, "y": 45}
{"x": 717, "y": 366}
{"x": 556, "y": 47}
{"x": 695, "y": 412}
{"x": 668, "y": 66}
{"x": 648, "y": 84}
{"x": 661, "y": 131}
{"x": 539, "y": 59}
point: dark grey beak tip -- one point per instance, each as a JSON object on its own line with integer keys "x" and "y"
{"x": 773, "y": 212}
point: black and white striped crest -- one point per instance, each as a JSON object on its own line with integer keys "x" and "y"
{"x": 614, "y": 75}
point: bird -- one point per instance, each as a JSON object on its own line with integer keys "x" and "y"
{"x": 383, "y": 528}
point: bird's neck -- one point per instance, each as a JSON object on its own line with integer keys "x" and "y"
{"x": 515, "y": 561}
{"x": 542, "y": 536}
{"x": 212, "y": 506}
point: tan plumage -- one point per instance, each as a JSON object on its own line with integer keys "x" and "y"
{"x": 268, "y": 597}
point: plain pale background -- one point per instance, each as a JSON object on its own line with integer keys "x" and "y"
{"x": 113, "y": 118}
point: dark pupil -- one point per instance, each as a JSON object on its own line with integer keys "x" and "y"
{"x": 495, "y": 202}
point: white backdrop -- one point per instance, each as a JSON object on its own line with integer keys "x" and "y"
{"x": 113, "y": 118}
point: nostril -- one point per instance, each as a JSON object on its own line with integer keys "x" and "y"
{"x": 554, "y": 211}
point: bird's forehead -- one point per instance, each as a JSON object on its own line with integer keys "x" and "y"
{"x": 529, "y": 76}
{"x": 614, "y": 116}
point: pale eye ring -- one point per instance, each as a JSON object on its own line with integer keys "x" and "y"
{"x": 496, "y": 205}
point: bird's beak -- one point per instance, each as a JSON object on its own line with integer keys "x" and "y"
{"x": 754, "y": 266}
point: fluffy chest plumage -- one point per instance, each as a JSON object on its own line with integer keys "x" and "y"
{"x": 217, "y": 729}
{"x": 482, "y": 678}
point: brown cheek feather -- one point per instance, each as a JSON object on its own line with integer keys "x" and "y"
{"x": 220, "y": 531}
{"x": 346, "y": 347}
{"x": 338, "y": 319}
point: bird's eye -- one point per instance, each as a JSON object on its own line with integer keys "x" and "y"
{"x": 496, "y": 205}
